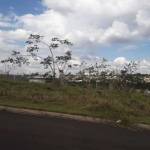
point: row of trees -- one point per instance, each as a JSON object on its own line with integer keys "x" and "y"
{"x": 102, "y": 72}
{"x": 100, "y": 69}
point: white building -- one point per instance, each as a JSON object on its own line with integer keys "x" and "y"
{"x": 37, "y": 79}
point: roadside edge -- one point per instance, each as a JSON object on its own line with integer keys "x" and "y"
{"x": 65, "y": 116}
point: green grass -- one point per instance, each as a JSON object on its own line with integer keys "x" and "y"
{"x": 102, "y": 103}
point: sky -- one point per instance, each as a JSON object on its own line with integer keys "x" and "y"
{"x": 118, "y": 30}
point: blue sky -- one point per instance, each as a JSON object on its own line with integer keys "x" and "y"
{"x": 21, "y": 7}
{"x": 114, "y": 29}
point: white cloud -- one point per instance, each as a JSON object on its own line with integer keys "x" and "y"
{"x": 90, "y": 21}
{"x": 121, "y": 60}
{"x": 6, "y": 24}
{"x": 6, "y": 49}
{"x": 143, "y": 67}
{"x": 59, "y": 5}
{"x": 48, "y": 24}
{"x": 118, "y": 33}
{"x": 87, "y": 23}
{"x": 143, "y": 20}
{"x": 19, "y": 34}
{"x": 127, "y": 48}
{"x": 4, "y": 18}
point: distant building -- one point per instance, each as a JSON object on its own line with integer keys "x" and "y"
{"x": 147, "y": 79}
{"x": 37, "y": 79}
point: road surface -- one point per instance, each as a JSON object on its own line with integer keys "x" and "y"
{"x": 29, "y": 132}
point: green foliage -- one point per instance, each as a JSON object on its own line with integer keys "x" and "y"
{"x": 103, "y": 103}
{"x": 125, "y": 120}
{"x": 48, "y": 62}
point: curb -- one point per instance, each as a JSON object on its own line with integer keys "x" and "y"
{"x": 54, "y": 114}
{"x": 65, "y": 116}
{"x": 144, "y": 126}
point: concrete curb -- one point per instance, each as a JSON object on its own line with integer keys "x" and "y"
{"x": 65, "y": 116}
{"x": 144, "y": 126}
{"x": 54, "y": 114}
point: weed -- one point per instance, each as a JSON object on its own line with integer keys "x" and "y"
{"x": 125, "y": 120}
{"x": 77, "y": 100}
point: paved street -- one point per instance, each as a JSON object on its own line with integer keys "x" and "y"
{"x": 29, "y": 132}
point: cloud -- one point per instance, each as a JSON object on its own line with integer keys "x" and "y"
{"x": 143, "y": 18}
{"x": 4, "y": 18}
{"x": 85, "y": 58}
{"x": 143, "y": 67}
{"x": 143, "y": 21}
{"x": 6, "y": 24}
{"x": 85, "y": 20}
{"x": 127, "y": 48}
{"x": 121, "y": 60}
{"x": 19, "y": 34}
{"x": 6, "y": 49}
{"x": 48, "y": 24}
{"x": 88, "y": 24}
{"x": 62, "y": 6}
{"x": 89, "y": 21}
{"x": 118, "y": 33}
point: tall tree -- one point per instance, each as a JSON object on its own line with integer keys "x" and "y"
{"x": 128, "y": 79}
{"x": 49, "y": 62}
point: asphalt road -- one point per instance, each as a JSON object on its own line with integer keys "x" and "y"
{"x": 27, "y": 132}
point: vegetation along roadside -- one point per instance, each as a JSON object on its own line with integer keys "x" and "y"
{"x": 129, "y": 107}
